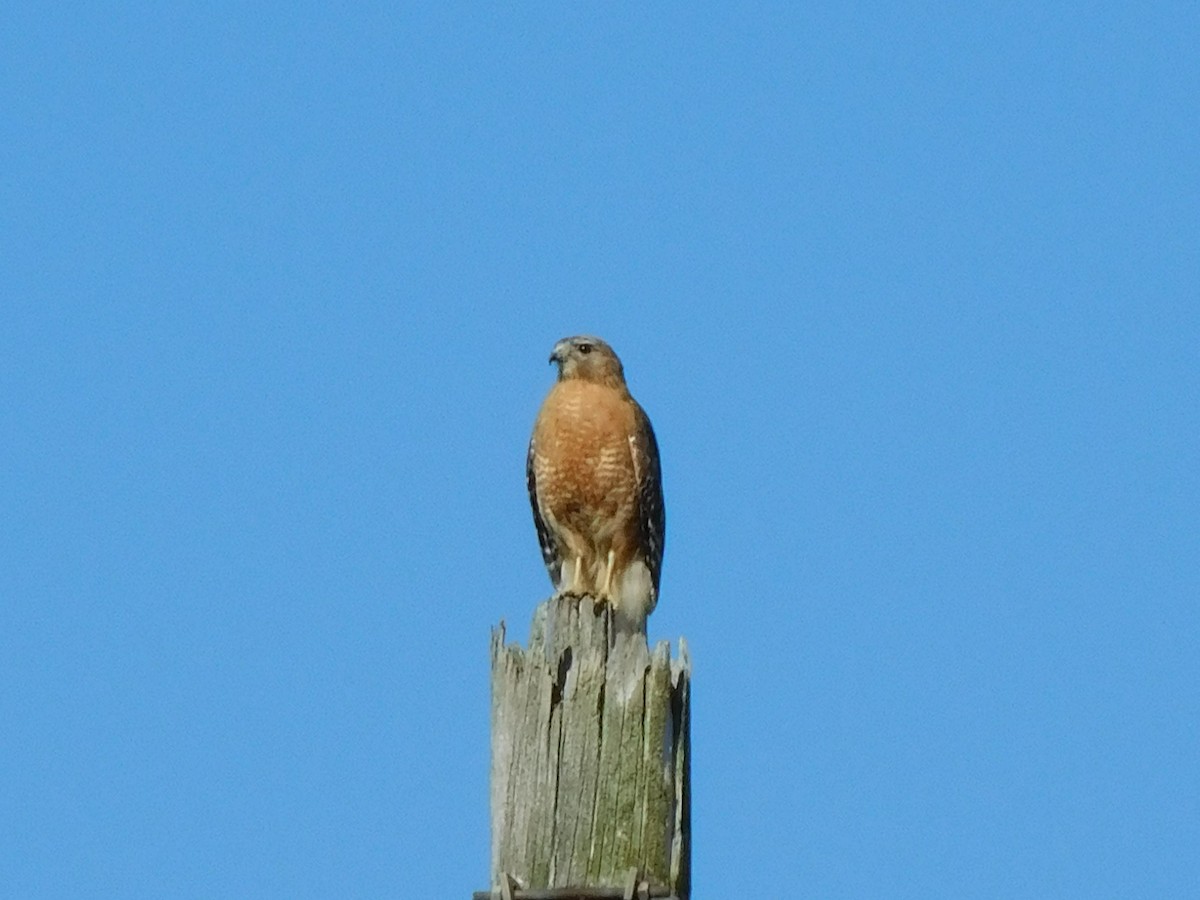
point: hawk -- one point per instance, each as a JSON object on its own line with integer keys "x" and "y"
{"x": 595, "y": 485}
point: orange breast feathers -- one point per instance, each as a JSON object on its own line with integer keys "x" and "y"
{"x": 583, "y": 463}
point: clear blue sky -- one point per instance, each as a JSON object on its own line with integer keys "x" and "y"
{"x": 912, "y": 298}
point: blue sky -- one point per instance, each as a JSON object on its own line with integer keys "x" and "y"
{"x": 911, "y": 296}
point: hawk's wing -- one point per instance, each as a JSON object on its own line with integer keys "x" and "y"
{"x": 550, "y": 554}
{"x": 652, "y": 523}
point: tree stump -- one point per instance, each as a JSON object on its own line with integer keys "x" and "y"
{"x": 590, "y": 756}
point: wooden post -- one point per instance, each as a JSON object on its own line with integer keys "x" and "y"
{"x": 590, "y": 758}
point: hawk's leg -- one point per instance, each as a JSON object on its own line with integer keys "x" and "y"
{"x": 575, "y": 584}
{"x": 573, "y": 579}
{"x": 606, "y": 590}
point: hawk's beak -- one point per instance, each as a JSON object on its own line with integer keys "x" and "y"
{"x": 559, "y": 353}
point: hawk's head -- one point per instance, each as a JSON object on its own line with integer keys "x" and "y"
{"x": 588, "y": 358}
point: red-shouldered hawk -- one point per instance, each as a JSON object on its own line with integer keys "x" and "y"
{"x": 595, "y": 484}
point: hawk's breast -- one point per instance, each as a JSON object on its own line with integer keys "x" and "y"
{"x": 582, "y": 459}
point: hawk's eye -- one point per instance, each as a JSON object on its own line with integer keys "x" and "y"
{"x": 585, "y": 349}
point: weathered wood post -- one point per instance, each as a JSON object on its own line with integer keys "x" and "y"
{"x": 590, "y": 761}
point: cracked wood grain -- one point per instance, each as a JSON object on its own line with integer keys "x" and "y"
{"x": 589, "y": 755}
